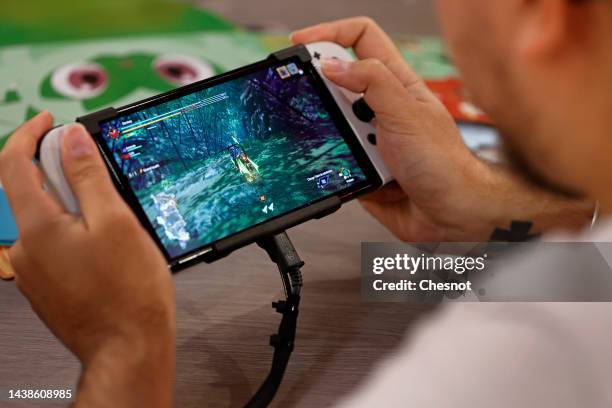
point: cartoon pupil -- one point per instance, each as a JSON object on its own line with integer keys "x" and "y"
{"x": 182, "y": 69}
{"x": 109, "y": 78}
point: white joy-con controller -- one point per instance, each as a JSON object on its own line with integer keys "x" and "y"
{"x": 355, "y": 109}
{"x": 50, "y": 163}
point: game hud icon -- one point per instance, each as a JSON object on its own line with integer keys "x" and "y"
{"x": 283, "y": 72}
{"x": 322, "y": 182}
{"x": 293, "y": 69}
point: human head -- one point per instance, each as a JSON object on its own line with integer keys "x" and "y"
{"x": 542, "y": 69}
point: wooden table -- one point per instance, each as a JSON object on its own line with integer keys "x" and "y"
{"x": 225, "y": 318}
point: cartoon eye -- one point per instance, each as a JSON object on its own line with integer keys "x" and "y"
{"x": 81, "y": 80}
{"x": 182, "y": 69}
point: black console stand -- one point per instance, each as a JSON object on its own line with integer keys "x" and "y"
{"x": 283, "y": 254}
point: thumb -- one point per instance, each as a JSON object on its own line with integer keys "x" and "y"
{"x": 87, "y": 175}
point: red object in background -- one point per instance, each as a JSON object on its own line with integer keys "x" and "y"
{"x": 113, "y": 133}
{"x": 453, "y": 95}
{"x": 125, "y": 156}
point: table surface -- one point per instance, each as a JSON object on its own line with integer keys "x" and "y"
{"x": 225, "y": 318}
{"x": 395, "y": 16}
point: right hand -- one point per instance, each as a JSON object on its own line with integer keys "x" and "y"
{"x": 442, "y": 191}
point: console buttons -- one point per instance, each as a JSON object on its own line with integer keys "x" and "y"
{"x": 372, "y": 139}
{"x": 363, "y": 112}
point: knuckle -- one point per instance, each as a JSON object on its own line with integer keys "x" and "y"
{"x": 374, "y": 63}
{"x": 87, "y": 173}
{"x": 33, "y": 230}
{"x": 120, "y": 218}
{"x": 367, "y": 21}
{"x": 116, "y": 215}
{"x": 375, "y": 67}
{"x": 127, "y": 219}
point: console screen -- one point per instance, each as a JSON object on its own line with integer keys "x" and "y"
{"x": 220, "y": 160}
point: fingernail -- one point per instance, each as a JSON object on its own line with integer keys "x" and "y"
{"x": 335, "y": 66}
{"x": 78, "y": 141}
{"x": 41, "y": 115}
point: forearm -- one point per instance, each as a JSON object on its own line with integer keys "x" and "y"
{"x": 516, "y": 200}
{"x": 129, "y": 374}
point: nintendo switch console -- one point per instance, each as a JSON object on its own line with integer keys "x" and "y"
{"x": 218, "y": 164}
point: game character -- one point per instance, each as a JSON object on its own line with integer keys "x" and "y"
{"x": 245, "y": 166}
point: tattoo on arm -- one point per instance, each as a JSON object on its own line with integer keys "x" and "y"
{"x": 518, "y": 232}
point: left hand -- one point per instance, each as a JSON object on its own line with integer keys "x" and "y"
{"x": 98, "y": 281}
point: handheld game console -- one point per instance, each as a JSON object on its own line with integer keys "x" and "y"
{"x": 356, "y": 111}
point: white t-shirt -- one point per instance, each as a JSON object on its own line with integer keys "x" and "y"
{"x": 502, "y": 355}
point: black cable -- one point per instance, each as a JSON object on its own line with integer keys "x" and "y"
{"x": 283, "y": 254}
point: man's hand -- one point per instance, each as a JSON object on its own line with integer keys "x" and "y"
{"x": 97, "y": 281}
{"x": 442, "y": 191}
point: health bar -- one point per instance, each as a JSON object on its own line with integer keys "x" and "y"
{"x": 176, "y": 112}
